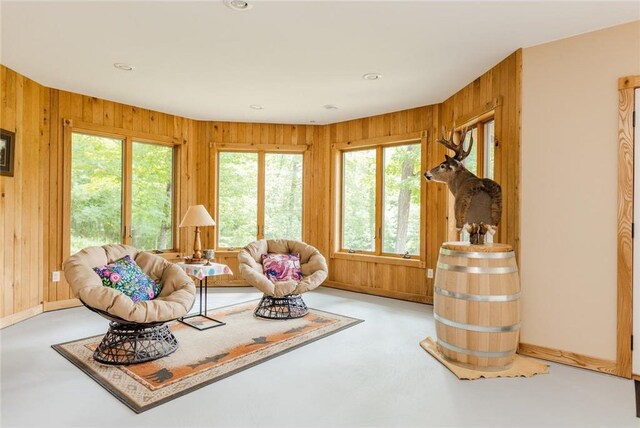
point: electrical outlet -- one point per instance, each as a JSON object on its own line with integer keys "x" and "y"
{"x": 429, "y": 273}
{"x": 55, "y": 276}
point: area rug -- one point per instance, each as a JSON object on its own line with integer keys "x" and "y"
{"x": 203, "y": 357}
{"x": 522, "y": 366}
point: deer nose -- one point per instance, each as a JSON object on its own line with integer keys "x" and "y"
{"x": 428, "y": 176}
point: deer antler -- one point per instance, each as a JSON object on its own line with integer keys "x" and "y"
{"x": 460, "y": 153}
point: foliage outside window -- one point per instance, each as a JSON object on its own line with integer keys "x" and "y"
{"x": 393, "y": 211}
{"x": 359, "y": 200}
{"x": 283, "y": 196}
{"x": 401, "y": 202}
{"x": 152, "y": 196}
{"x": 237, "y": 199}
{"x": 239, "y": 196}
{"x": 97, "y": 193}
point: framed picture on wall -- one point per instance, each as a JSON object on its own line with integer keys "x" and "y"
{"x": 7, "y": 150}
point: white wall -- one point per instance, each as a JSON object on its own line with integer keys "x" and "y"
{"x": 569, "y": 188}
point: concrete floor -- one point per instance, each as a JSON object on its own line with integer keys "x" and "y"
{"x": 373, "y": 374}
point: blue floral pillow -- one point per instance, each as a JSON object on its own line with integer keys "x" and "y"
{"x": 126, "y": 276}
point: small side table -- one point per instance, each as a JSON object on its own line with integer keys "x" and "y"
{"x": 203, "y": 272}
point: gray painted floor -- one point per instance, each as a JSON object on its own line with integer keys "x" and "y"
{"x": 373, "y": 374}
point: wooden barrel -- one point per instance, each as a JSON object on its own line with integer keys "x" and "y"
{"x": 477, "y": 305}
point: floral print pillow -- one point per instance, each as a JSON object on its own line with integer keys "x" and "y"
{"x": 282, "y": 267}
{"x": 126, "y": 276}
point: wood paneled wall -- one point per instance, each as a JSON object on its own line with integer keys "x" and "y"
{"x": 31, "y": 202}
{"x": 375, "y": 277}
{"x": 499, "y": 86}
{"x": 24, "y": 109}
{"x": 214, "y": 135}
{"x": 120, "y": 118}
{"x": 499, "y": 90}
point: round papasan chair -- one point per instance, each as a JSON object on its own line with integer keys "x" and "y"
{"x": 282, "y": 299}
{"x": 137, "y": 331}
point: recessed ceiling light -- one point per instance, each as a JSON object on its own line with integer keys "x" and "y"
{"x": 123, "y": 66}
{"x": 372, "y": 76}
{"x": 330, "y": 107}
{"x": 239, "y": 5}
{"x": 256, "y": 107}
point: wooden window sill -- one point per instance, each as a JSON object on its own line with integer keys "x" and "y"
{"x": 371, "y": 258}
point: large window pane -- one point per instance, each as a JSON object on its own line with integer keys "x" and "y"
{"x": 489, "y": 149}
{"x": 359, "y": 200}
{"x": 96, "y": 191}
{"x": 152, "y": 197}
{"x": 401, "y": 200}
{"x": 283, "y": 196}
{"x": 471, "y": 162}
{"x": 237, "y": 199}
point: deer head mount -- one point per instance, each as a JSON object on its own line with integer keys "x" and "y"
{"x": 478, "y": 201}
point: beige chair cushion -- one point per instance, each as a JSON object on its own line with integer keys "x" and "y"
{"x": 313, "y": 264}
{"x": 175, "y": 298}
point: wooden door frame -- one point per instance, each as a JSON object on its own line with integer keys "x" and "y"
{"x": 626, "y": 105}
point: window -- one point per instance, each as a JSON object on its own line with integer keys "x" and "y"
{"x": 237, "y": 199}
{"x": 96, "y": 191}
{"x": 152, "y": 196}
{"x": 381, "y": 193}
{"x": 120, "y": 198}
{"x": 359, "y": 200}
{"x": 481, "y": 158}
{"x": 259, "y": 196}
{"x": 283, "y": 196}
{"x": 401, "y": 201}
{"x": 489, "y": 149}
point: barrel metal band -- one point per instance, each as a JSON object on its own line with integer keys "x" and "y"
{"x": 478, "y": 269}
{"x": 478, "y": 328}
{"x": 478, "y": 297}
{"x": 476, "y": 255}
{"x": 475, "y": 353}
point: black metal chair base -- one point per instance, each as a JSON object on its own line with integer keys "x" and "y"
{"x": 135, "y": 343}
{"x": 281, "y": 308}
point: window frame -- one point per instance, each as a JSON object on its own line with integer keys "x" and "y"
{"x": 337, "y": 189}
{"x": 261, "y": 150}
{"x": 127, "y": 137}
{"x": 479, "y": 123}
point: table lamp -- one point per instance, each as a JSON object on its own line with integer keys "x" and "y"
{"x": 197, "y": 216}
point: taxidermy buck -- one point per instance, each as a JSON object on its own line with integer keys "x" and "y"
{"x": 478, "y": 201}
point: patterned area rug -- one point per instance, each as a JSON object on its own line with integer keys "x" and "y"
{"x": 204, "y": 356}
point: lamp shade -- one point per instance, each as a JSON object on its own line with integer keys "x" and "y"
{"x": 197, "y": 215}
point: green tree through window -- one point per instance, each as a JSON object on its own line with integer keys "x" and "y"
{"x": 399, "y": 199}
{"x": 152, "y": 197}
{"x": 96, "y": 191}
{"x": 237, "y": 199}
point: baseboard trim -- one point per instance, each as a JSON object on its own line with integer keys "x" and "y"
{"x": 61, "y": 304}
{"x": 570, "y": 358}
{"x": 379, "y": 292}
{"x": 20, "y": 316}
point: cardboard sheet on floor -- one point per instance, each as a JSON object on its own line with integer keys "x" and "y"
{"x": 522, "y": 366}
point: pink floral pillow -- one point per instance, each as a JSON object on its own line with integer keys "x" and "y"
{"x": 282, "y": 267}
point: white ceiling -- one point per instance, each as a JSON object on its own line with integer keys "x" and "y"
{"x": 205, "y": 61}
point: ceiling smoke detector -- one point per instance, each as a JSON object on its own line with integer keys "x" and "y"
{"x": 330, "y": 107}
{"x": 256, "y": 107}
{"x": 239, "y": 5}
{"x": 124, "y": 67}
{"x": 372, "y": 76}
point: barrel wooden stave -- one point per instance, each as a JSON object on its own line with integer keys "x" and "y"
{"x": 484, "y": 315}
